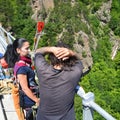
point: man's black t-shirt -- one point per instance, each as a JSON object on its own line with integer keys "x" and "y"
{"x": 57, "y": 90}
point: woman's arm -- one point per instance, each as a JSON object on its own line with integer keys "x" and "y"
{"x": 24, "y": 84}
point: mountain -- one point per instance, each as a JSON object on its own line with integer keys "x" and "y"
{"x": 91, "y": 28}
{"x": 85, "y": 14}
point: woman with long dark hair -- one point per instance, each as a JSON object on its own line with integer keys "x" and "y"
{"x": 17, "y": 57}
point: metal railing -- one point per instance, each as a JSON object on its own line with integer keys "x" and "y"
{"x": 5, "y": 39}
{"x": 89, "y": 105}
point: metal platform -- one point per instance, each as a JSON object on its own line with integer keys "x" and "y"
{"x": 7, "y": 110}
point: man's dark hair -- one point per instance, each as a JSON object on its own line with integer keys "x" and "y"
{"x": 65, "y": 63}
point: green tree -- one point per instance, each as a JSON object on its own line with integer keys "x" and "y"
{"x": 6, "y": 13}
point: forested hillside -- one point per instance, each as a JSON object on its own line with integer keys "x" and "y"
{"x": 91, "y": 28}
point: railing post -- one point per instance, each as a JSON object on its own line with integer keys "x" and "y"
{"x": 89, "y": 105}
{"x": 87, "y": 110}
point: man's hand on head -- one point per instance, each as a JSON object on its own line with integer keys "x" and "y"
{"x": 62, "y": 53}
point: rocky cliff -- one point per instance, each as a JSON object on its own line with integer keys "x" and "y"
{"x": 39, "y": 5}
{"x": 103, "y": 14}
